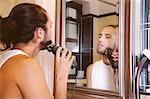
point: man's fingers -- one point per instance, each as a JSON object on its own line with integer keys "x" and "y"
{"x": 69, "y": 54}
{"x": 64, "y": 53}
{"x": 58, "y": 52}
{"x": 72, "y": 58}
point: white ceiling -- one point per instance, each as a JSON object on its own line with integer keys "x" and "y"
{"x": 98, "y": 7}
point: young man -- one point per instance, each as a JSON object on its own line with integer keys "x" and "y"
{"x": 24, "y": 32}
{"x": 101, "y": 74}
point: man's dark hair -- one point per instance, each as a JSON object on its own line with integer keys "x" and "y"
{"x": 21, "y": 23}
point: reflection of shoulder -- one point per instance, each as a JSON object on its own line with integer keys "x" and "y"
{"x": 89, "y": 69}
{"x": 99, "y": 63}
{"x": 94, "y": 65}
{"x": 91, "y": 66}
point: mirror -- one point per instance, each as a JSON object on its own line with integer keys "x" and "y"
{"x": 85, "y": 25}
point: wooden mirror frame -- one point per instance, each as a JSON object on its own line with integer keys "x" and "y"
{"x": 125, "y": 71}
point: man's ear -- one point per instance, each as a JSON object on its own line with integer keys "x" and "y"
{"x": 39, "y": 33}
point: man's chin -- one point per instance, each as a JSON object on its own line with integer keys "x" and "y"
{"x": 100, "y": 51}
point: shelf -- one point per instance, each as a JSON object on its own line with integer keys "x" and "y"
{"x": 71, "y": 40}
{"x": 71, "y": 19}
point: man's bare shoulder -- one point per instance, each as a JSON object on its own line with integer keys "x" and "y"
{"x": 20, "y": 64}
{"x": 23, "y": 62}
{"x": 26, "y": 73}
{"x": 88, "y": 75}
{"x": 22, "y": 58}
{"x": 89, "y": 68}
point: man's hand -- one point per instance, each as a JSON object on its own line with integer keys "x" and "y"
{"x": 64, "y": 61}
{"x": 115, "y": 55}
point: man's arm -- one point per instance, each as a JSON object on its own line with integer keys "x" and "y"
{"x": 88, "y": 75}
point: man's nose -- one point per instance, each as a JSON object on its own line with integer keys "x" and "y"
{"x": 101, "y": 39}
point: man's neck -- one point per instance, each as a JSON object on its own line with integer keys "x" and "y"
{"x": 29, "y": 49}
{"x": 105, "y": 60}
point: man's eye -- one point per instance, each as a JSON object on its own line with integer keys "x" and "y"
{"x": 108, "y": 36}
{"x": 100, "y": 36}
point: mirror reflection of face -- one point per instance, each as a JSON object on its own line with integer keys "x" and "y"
{"x": 107, "y": 39}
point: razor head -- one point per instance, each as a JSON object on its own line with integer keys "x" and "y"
{"x": 51, "y": 47}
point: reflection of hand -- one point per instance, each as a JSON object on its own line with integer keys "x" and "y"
{"x": 115, "y": 55}
{"x": 63, "y": 61}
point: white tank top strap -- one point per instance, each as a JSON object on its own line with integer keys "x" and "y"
{"x": 8, "y": 54}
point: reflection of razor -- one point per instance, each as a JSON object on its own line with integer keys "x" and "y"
{"x": 108, "y": 53}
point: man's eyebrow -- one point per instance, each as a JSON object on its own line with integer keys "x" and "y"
{"x": 108, "y": 34}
